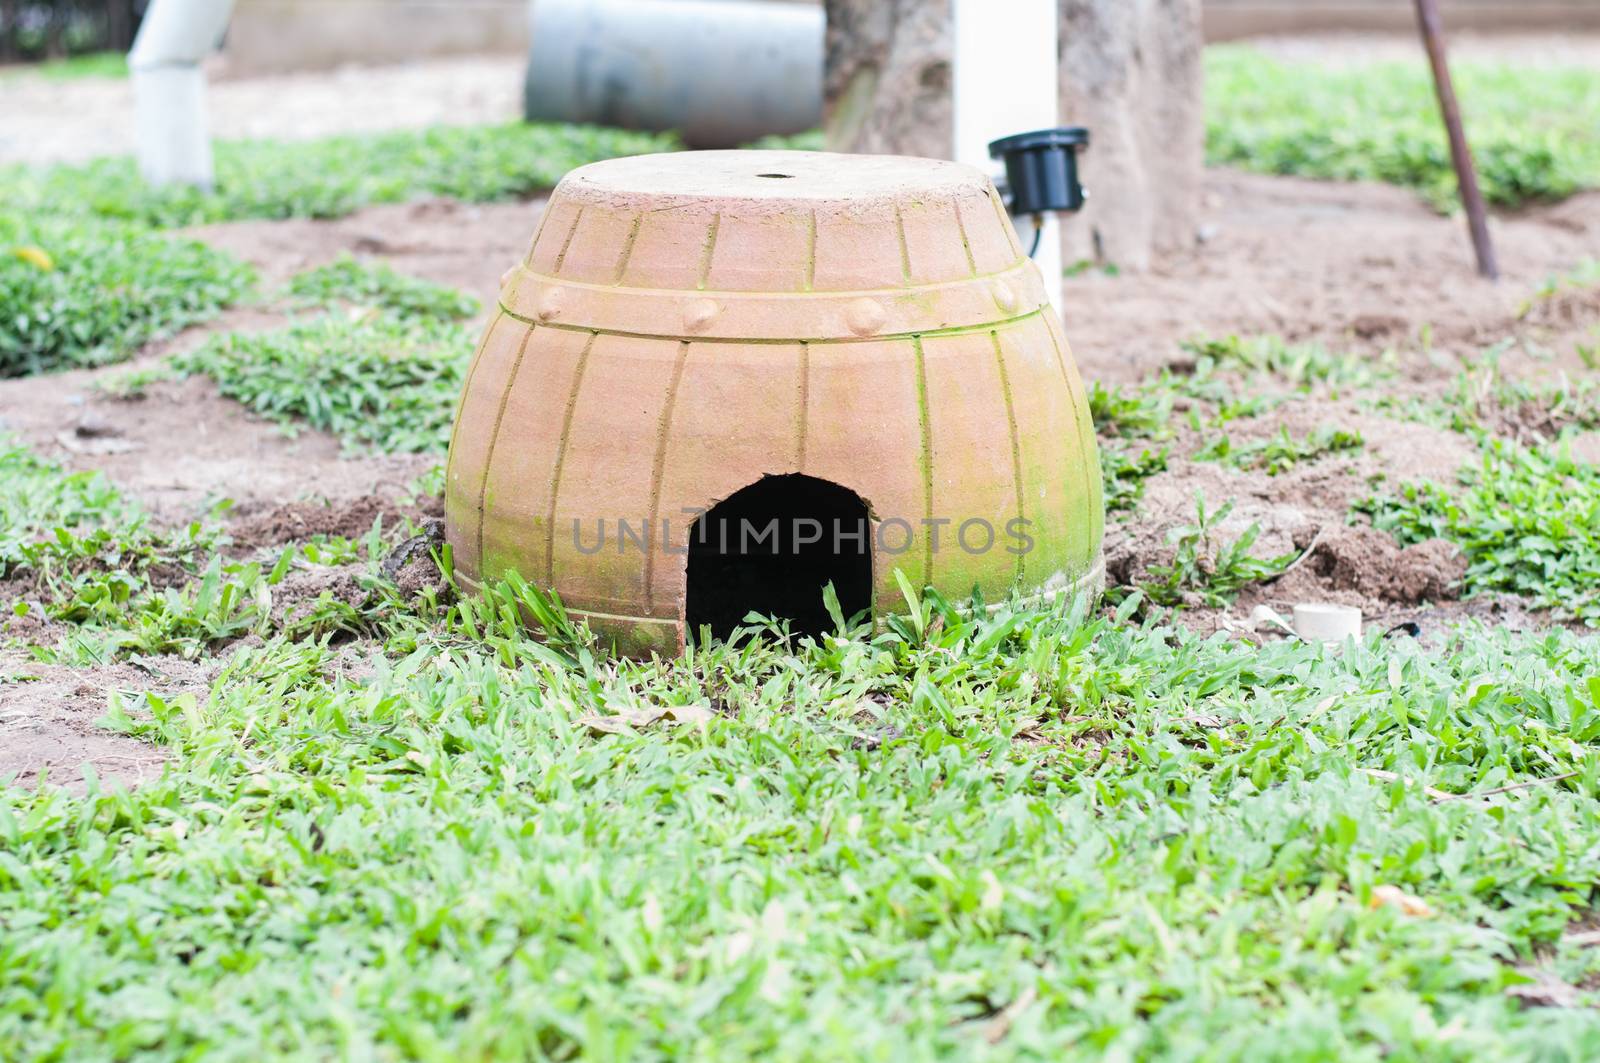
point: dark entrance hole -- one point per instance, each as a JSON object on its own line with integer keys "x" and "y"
{"x": 771, "y": 548}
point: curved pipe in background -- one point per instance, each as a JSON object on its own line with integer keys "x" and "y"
{"x": 169, "y": 89}
{"x": 720, "y": 72}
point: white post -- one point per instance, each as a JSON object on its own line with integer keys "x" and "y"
{"x": 1005, "y": 81}
{"x": 169, "y": 88}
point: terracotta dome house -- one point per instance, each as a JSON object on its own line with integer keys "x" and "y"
{"x": 722, "y": 380}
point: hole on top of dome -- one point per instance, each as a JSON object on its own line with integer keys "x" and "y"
{"x": 774, "y": 175}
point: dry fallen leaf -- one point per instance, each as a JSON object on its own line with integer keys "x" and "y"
{"x": 996, "y": 1029}
{"x": 1395, "y": 897}
{"x": 95, "y": 445}
{"x": 687, "y": 713}
{"x": 36, "y": 257}
{"x": 1545, "y": 991}
{"x": 632, "y": 721}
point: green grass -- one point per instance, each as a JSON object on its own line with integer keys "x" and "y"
{"x": 1207, "y": 568}
{"x": 1483, "y": 400}
{"x": 810, "y": 140}
{"x": 1042, "y": 833}
{"x": 88, "y": 65}
{"x": 71, "y": 545}
{"x": 381, "y": 382}
{"x": 333, "y": 176}
{"x": 78, "y": 291}
{"x": 348, "y": 281}
{"x": 1532, "y": 128}
{"x": 1135, "y": 413}
{"x": 39, "y": 502}
{"x": 1282, "y": 452}
{"x": 1303, "y": 366}
{"x": 1124, "y": 474}
{"x": 1032, "y": 835}
{"x": 1528, "y": 520}
{"x": 74, "y": 548}
{"x": 83, "y": 280}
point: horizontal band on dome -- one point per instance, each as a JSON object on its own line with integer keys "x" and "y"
{"x": 958, "y": 330}
{"x": 971, "y": 303}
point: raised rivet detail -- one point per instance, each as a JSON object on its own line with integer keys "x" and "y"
{"x": 1004, "y": 297}
{"x": 864, "y": 316}
{"x": 549, "y": 306}
{"x": 699, "y": 314}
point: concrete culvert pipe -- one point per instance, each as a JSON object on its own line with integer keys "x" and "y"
{"x": 720, "y": 72}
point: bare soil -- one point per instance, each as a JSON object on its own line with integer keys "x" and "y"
{"x": 1359, "y": 267}
{"x": 183, "y": 448}
{"x": 52, "y": 120}
{"x": 49, "y": 717}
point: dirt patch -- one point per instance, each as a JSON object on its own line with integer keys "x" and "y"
{"x": 411, "y": 565}
{"x": 31, "y": 627}
{"x": 1356, "y": 265}
{"x": 184, "y": 447}
{"x": 303, "y": 590}
{"x": 55, "y": 120}
{"x": 465, "y": 245}
{"x": 1575, "y": 307}
{"x": 187, "y": 448}
{"x": 1309, "y": 503}
{"x": 1368, "y": 562}
{"x": 48, "y": 717}
{"x": 350, "y": 518}
{"x": 420, "y": 575}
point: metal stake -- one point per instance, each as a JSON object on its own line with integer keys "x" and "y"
{"x": 1460, "y": 153}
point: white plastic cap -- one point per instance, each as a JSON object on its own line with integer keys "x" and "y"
{"x": 1325, "y": 622}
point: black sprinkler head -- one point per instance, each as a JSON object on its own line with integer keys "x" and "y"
{"x": 1042, "y": 169}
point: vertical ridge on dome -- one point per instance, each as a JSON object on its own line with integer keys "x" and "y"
{"x": 566, "y": 244}
{"x": 1016, "y": 442}
{"x": 1074, "y": 408}
{"x": 708, "y": 249}
{"x": 811, "y": 252}
{"x": 494, "y": 433}
{"x": 561, "y": 457}
{"x": 802, "y": 407}
{"x": 627, "y": 248}
{"x": 925, "y": 427}
{"x": 663, "y": 433}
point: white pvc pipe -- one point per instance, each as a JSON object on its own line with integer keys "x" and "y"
{"x": 1005, "y": 82}
{"x": 1324, "y": 622}
{"x": 169, "y": 89}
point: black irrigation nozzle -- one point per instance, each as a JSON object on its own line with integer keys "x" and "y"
{"x": 1042, "y": 169}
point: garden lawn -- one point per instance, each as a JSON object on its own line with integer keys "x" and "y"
{"x": 1533, "y": 129}
{"x": 86, "y": 279}
{"x": 82, "y": 291}
{"x": 332, "y": 176}
{"x": 389, "y": 382}
{"x": 1038, "y": 834}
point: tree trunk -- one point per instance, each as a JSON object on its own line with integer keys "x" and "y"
{"x": 10, "y": 46}
{"x": 886, "y": 78}
{"x": 119, "y": 25}
{"x": 1130, "y": 71}
{"x": 55, "y": 37}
